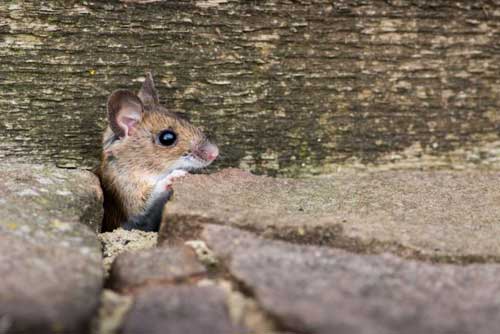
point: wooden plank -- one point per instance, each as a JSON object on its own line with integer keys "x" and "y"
{"x": 284, "y": 87}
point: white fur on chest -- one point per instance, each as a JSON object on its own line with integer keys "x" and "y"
{"x": 151, "y": 180}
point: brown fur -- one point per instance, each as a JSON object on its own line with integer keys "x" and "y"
{"x": 131, "y": 163}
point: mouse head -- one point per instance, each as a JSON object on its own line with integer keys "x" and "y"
{"x": 144, "y": 136}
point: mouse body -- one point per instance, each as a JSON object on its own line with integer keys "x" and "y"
{"x": 145, "y": 147}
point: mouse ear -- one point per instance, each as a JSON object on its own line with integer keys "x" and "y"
{"x": 125, "y": 111}
{"x": 148, "y": 94}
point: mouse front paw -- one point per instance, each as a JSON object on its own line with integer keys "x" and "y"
{"x": 176, "y": 174}
{"x": 166, "y": 183}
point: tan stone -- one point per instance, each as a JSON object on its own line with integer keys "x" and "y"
{"x": 449, "y": 216}
{"x": 318, "y": 290}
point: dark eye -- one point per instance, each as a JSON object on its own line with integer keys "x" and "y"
{"x": 167, "y": 138}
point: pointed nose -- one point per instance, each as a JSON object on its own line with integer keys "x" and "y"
{"x": 208, "y": 151}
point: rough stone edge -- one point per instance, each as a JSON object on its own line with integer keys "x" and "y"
{"x": 185, "y": 227}
{"x": 112, "y": 310}
{"x": 114, "y": 305}
{"x": 120, "y": 240}
{"x": 244, "y": 309}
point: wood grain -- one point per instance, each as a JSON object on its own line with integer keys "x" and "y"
{"x": 284, "y": 87}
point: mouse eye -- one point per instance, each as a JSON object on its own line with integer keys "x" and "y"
{"x": 167, "y": 138}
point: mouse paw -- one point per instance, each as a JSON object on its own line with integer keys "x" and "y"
{"x": 176, "y": 174}
{"x": 166, "y": 182}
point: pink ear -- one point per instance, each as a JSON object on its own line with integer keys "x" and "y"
{"x": 125, "y": 112}
{"x": 128, "y": 118}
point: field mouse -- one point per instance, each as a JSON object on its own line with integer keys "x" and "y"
{"x": 145, "y": 147}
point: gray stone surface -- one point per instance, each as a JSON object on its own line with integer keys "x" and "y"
{"x": 45, "y": 195}
{"x": 50, "y": 259}
{"x": 155, "y": 266}
{"x": 448, "y": 216}
{"x": 179, "y": 310}
{"x": 311, "y": 289}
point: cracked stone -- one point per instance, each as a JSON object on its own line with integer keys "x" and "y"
{"x": 311, "y": 289}
{"x": 50, "y": 258}
{"x": 446, "y": 216}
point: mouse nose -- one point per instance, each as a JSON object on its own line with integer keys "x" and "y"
{"x": 208, "y": 151}
{"x": 212, "y": 152}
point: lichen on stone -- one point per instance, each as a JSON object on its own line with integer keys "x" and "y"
{"x": 121, "y": 240}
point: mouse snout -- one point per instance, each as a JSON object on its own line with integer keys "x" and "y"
{"x": 207, "y": 151}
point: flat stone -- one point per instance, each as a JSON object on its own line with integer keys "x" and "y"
{"x": 50, "y": 258}
{"x": 311, "y": 289}
{"x": 449, "y": 216}
{"x": 164, "y": 265}
{"x": 179, "y": 310}
{"x": 27, "y": 191}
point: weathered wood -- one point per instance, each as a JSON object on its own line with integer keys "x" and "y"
{"x": 290, "y": 87}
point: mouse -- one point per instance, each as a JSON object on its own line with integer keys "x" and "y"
{"x": 145, "y": 147}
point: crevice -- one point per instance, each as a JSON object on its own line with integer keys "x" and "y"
{"x": 333, "y": 237}
{"x": 111, "y": 313}
{"x": 135, "y": 288}
{"x": 243, "y": 305}
{"x": 242, "y": 300}
{"x": 279, "y": 327}
{"x": 187, "y": 227}
{"x": 118, "y": 241}
{"x": 114, "y": 304}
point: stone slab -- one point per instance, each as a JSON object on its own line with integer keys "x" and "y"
{"x": 310, "y": 289}
{"x": 50, "y": 258}
{"x": 450, "y": 216}
{"x": 164, "y": 265}
{"x": 179, "y": 310}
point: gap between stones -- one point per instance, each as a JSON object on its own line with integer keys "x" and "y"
{"x": 116, "y": 303}
{"x": 190, "y": 226}
{"x": 241, "y": 300}
{"x": 182, "y": 227}
{"x": 278, "y": 325}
